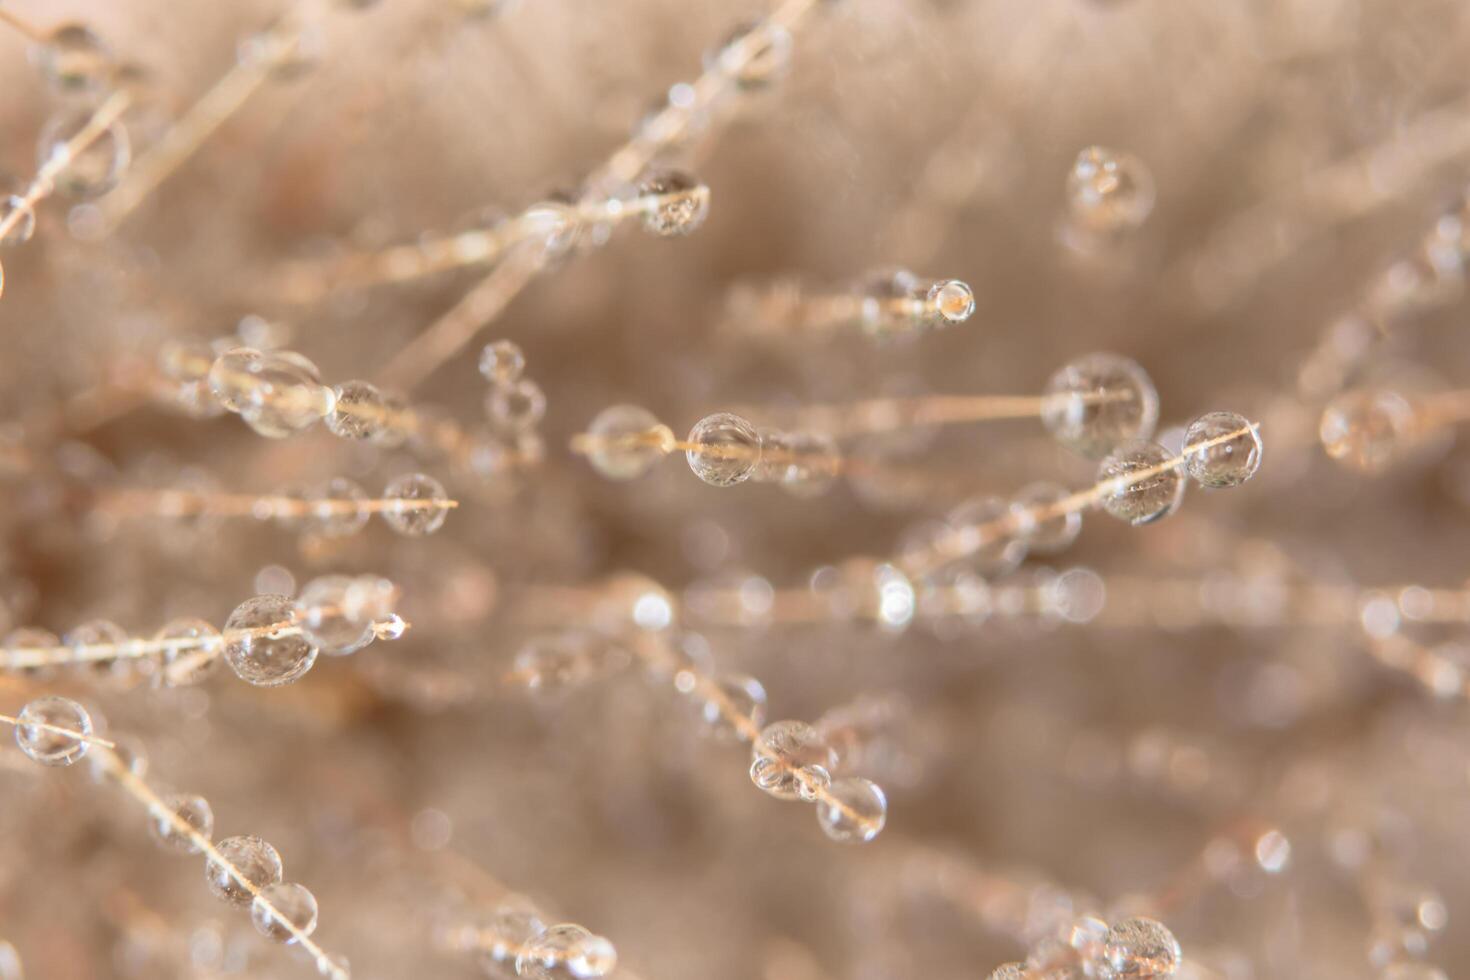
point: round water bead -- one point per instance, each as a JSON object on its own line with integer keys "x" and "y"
{"x": 729, "y": 449}
{"x": 358, "y": 412}
{"x": 95, "y": 645}
{"x": 853, "y": 810}
{"x": 1108, "y": 191}
{"x": 28, "y": 638}
{"x": 126, "y": 756}
{"x": 506, "y": 931}
{"x": 338, "y": 612}
{"x": 1140, "y": 948}
{"x": 191, "y": 651}
{"x": 787, "y": 756}
{"x": 952, "y": 301}
{"x": 21, "y": 218}
{"x": 989, "y": 547}
{"x": 1367, "y": 429}
{"x": 417, "y": 512}
{"x": 187, "y": 362}
{"x": 1046, "y": 535}
{"x": 183, "y": 822}
{"x": 1146, "y": 498}
{"x": 806, "y": 464}
{"x": 627, "y": 441}
{"x": 681, "y": 205}
{"x": 1234, "y": 456}
{"x": 1099, "y": 401}
{"x": 74, "y": 59}
{"x": 755, "y": 55}
{"x": 255, "y": 860}
{"x": 737, "y": 695}
{"x": 284, "y": 911}
{"x": 288, "y": 48}
{"x": 394, "y": 435}
{"x": 87, "y": 171}
{"x": 38, "y": 739}
{"x": 890, "y": 303}
{"x": 338, "y": 508}
{"x": 276, "y": 392}
{"x": 516, "y": 407}
{"x": 262, "y": 656}
{"x": 566, "y": 950}
{"x": 502, "y": 362}
{"x": 287, "y": 396}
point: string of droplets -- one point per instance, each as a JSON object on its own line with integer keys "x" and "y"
{"x": 288, "y": 48}
{"x": 884, "y": 305}
{"x": 1091, "y": 404}
{"x": 667, "y": 203}
{"x": 269, "y": 640}
{"x": 633, "y": 616}
{"x": 338, "y": 508}
{"x": 245, "y": 872}
{"x": 515, "y": 939}
{"x": 280, "y": 392}
{"x": 753, "y": 58}
{"x": 1430, "y": 277}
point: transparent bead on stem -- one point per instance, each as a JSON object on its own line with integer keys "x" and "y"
{"x": 789, "y": 758}
{"x": 74, "y": 60}
{"x": 1367, "y": 429}
{"x": 90, "y": 643}
{"x": 191, "y": 651}
{"x": 566, "y": 951}
{"x": 950, "y": 301}
{"x": 990, "y": 549}
{"x": 254, "y": 859}
{"x": 627, "y": 442}
{"x": 891, "y": 303}
{"x": 1109, "y": 191}
{"x": 183, "y": 822}
{"x": 287, "y": 49}
{"x": 22, "y": 219}
{"x": 1149, "y": 483}
{"x": 31, "y": 638}
{"x": 358, "y": 411}
{"x": 127, "y": 755}
{"x": 502, "y": 362}
{"x": 680, "y": 203}
{"x": 1220, "y": 464}
{"x": 1098, "y": 401}
{"x": 1139, "y": 948}
{"x": 336, "y": 508}
{"x": 1046, "y": 535}
{"x": 728, "y": 449}
{"x": 515, "y": 407}
{"x": 853, "y": 810}
{"x": 337, "y": 612}
{"x": 260, "y": 646}
{"x": 45, "y": 727}
{"x": 421, "y": 509}
{"x": 737, "y": 695}
{"x": 283, "y": 911}
{"x": 755, "y": 56}
{"x": 92, "y": 170}
{"x": 805, "y": 464}
{"x": 504, "y": 932}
